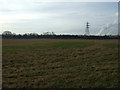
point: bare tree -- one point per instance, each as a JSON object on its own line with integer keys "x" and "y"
{"x": 48, "y": 33}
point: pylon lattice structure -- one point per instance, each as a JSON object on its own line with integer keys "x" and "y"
{"x": 87, "y": 29}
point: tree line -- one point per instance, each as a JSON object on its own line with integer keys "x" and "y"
{"x": 52, "y": 35}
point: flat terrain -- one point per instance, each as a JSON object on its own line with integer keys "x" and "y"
{"x": 55, "y": 63}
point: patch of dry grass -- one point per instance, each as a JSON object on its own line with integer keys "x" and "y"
{"x": 94, "y": 65}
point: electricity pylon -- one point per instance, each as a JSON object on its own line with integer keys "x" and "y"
{"x": 87, "y": 29}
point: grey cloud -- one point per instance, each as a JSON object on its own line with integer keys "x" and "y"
{"x": 60, "y": 17}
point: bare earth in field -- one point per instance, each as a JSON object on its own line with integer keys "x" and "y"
{"x": 55, "y": 63}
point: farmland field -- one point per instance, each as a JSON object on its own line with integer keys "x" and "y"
{"x": 59, "y": 63}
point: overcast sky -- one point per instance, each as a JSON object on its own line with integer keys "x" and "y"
{"x": 24, "y": 16}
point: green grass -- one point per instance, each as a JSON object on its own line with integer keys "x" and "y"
{"x": 73, "y": 44}
{"x": 39, "y": 63}
{"x": 111, "y": 45}
{"x": 62, "y": 44}
{"x": 53, "y": 45}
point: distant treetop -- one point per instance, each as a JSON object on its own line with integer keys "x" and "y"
{"x": 7, "y": 33}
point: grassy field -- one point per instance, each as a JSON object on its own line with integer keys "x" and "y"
{"x": 55, "y": 63}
